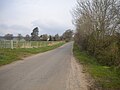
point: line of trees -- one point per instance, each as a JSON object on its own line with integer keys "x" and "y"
{"x": 98, "y": 29}
{"x": 67, "y": 36}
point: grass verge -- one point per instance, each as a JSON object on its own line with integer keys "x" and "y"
{"x": 9, "y": 55}
{"x": 106, "y": 78}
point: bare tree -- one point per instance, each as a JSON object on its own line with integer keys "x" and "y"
{"x": 57, "y": 37}
{"x": 97, "y": 23}
{"x": 27, "y": 37}
{"x": 8, "y": 36}
{"x": 67, "y": 35}
{"x": 44, "y": 37}
{"x": 51, "y": 38}
{"x": 19, "y": 37}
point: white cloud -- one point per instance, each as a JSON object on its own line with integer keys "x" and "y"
{"x": 49, "y": 26}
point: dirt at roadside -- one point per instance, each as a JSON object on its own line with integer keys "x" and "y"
{"x": 77, "y": 79}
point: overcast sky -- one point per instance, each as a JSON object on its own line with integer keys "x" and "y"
{"x": 21, "y": 16}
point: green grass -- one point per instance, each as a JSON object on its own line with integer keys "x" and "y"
{"x": 9, "y": 55}
{"x": 105, "y": 77}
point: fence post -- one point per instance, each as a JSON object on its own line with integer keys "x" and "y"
{"x": 11, "y": 44}
{"x": 4, "y": 44}
{"x": 0, "y": 44}
{"x": 37, "y": 44}
{"x": 30, "y": 44}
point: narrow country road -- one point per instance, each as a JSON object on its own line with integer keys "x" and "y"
{"x": 45, "y": 71}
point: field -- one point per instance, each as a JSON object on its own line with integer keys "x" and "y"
{"x": 25, "y": 44}
{"x": 8, "y": 55}
{"x": 106, "y": 78}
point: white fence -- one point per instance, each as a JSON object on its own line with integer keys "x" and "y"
{"x": 25, "y": 44}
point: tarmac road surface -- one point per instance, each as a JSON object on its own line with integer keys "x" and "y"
{"x": 45, "y": 71}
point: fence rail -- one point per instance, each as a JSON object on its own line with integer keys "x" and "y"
{"x": 25, "y": 44}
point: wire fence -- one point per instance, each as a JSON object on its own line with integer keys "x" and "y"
{"x": 26, "y": 44}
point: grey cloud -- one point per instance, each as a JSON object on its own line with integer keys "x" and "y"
{"x": 4, "y": 26}
{"x": 18, "y": 27}
{"x": 14, "y": 29}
